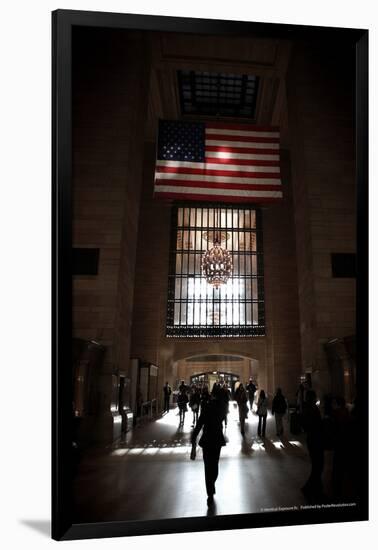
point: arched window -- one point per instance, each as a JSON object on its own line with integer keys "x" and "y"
{"x": 195, "y": 307}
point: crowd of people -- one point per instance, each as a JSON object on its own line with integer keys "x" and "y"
{"x": 195, "y": 397}
{"x": 325, "y": 428}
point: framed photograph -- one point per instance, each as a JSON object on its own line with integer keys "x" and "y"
{"x": 210, "y": 277}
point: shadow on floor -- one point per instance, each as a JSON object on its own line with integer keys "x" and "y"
{"x": 43, "y": 526}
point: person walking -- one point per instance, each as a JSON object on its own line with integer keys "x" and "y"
{"x": 262, "y": 411}
{"x": 167, "y": 390}
{"x": 242, "y": 400}
{"x": 300, "y": 398}
{"x": 205, "y": 397}
{"x": 251, "y": 389}
{"x": 194, "y": 403}
{"x": 279, "y": 408}
{"x": 211, "y": 441}
{"x": 312, "y": 425}
{"x": 182, "y": 400}
{"x": 224, "y": 397}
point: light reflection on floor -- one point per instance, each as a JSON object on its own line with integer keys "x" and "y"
{"x": 153, "y": 460}
{"x": 180, "y": 445}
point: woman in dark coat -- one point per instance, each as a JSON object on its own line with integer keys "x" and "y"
{"x": 224, "y": 397}
{"x": 182, "y": 400}
{"x": 262, "y": 411}
{"x": 279, "y": 407}
{"x": 205, "y": 397}
{"x": 194, "y": 403}
{"x": 242, "y": 399}
{"x": 211, "y": 441}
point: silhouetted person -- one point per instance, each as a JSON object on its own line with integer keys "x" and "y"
{"x": 182, "y": 386}
{"x": 224, "y": 397}
{"x": 139, "y": 401}
{"x": 211, "y": 441}
{"x": 182, "y": 400}
{"x": 262, "y": 411}
{"x": 279, "y": 408}
{"x": 194, "y": 403}
{"x": 205, "y": 397}
{"x": 242, "y": 399}
{"x": 300, "y": 398}
{"x": 251, "y": 389}
{"x": 312, "y": 425}
{"x": 216, "y": 388}
{"x": 167, "y": 394}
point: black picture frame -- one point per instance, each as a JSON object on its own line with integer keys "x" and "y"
{"x": 63, "y": 21}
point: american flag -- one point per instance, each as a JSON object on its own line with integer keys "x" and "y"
{"x": 217, "y": 162}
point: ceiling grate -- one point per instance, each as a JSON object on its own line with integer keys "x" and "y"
{"x": 218, "y": 94}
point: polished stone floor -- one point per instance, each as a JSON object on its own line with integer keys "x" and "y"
{"x": 149, "y": 474}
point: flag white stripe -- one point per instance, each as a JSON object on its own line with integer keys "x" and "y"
{"x": 241, "y": 156}
{"x": 217, "y": 179}
{"x": 211, "y": 191}
{"x": 241, "y": 133}
{"x": 211, "y": 166}
{"x": 249, "y": 144}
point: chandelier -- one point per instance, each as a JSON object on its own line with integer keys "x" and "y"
{"x": 217, "y": 261}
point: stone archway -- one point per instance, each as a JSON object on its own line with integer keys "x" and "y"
{"x": 240, "y": 365}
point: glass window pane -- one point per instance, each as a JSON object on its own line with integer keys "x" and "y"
{"x": 184, "y": 288}
{"x": 177, "y": 314}
{"x": 179, "y": 217}
{"x": 248, "y": 289}
{"x": 184, "y": 263}
{"x": 242, "y": 264}
{"x": 179, "y": 240}
{"x": 191, "y": 264}
{"x": 255, "y": 314}
{"x": 196, "y": 302}
{"x": 254, "y": 287}
{"x": 198, "y": 240}
{"x": 190, "y": 313}
{"x": 249, "y": 314}
{"x": 186, "y": 217}
{"x": 178, "y": 263}
{"x": 177, "y": 289}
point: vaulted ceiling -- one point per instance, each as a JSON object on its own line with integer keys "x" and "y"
{"x": 266, "y": 59}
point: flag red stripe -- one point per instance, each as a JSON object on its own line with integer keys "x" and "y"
{"x": 246, "y": 127}
{"x": 242, "y": 162}
{"x": 207, "y": 172}
{"x": 218, "y": 198}
{"x": 247, "y": 139}
{"x": 219, "y": 185}
{"x": 227, "y": 149}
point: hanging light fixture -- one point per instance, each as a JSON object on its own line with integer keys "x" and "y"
{"x": 217, "y": 261}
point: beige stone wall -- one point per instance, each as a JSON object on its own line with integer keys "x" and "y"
{"x": 320, "y": 110}
{"x": 108, "y": 105}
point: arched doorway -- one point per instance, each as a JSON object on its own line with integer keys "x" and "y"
{"x": 211, "y": 368}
